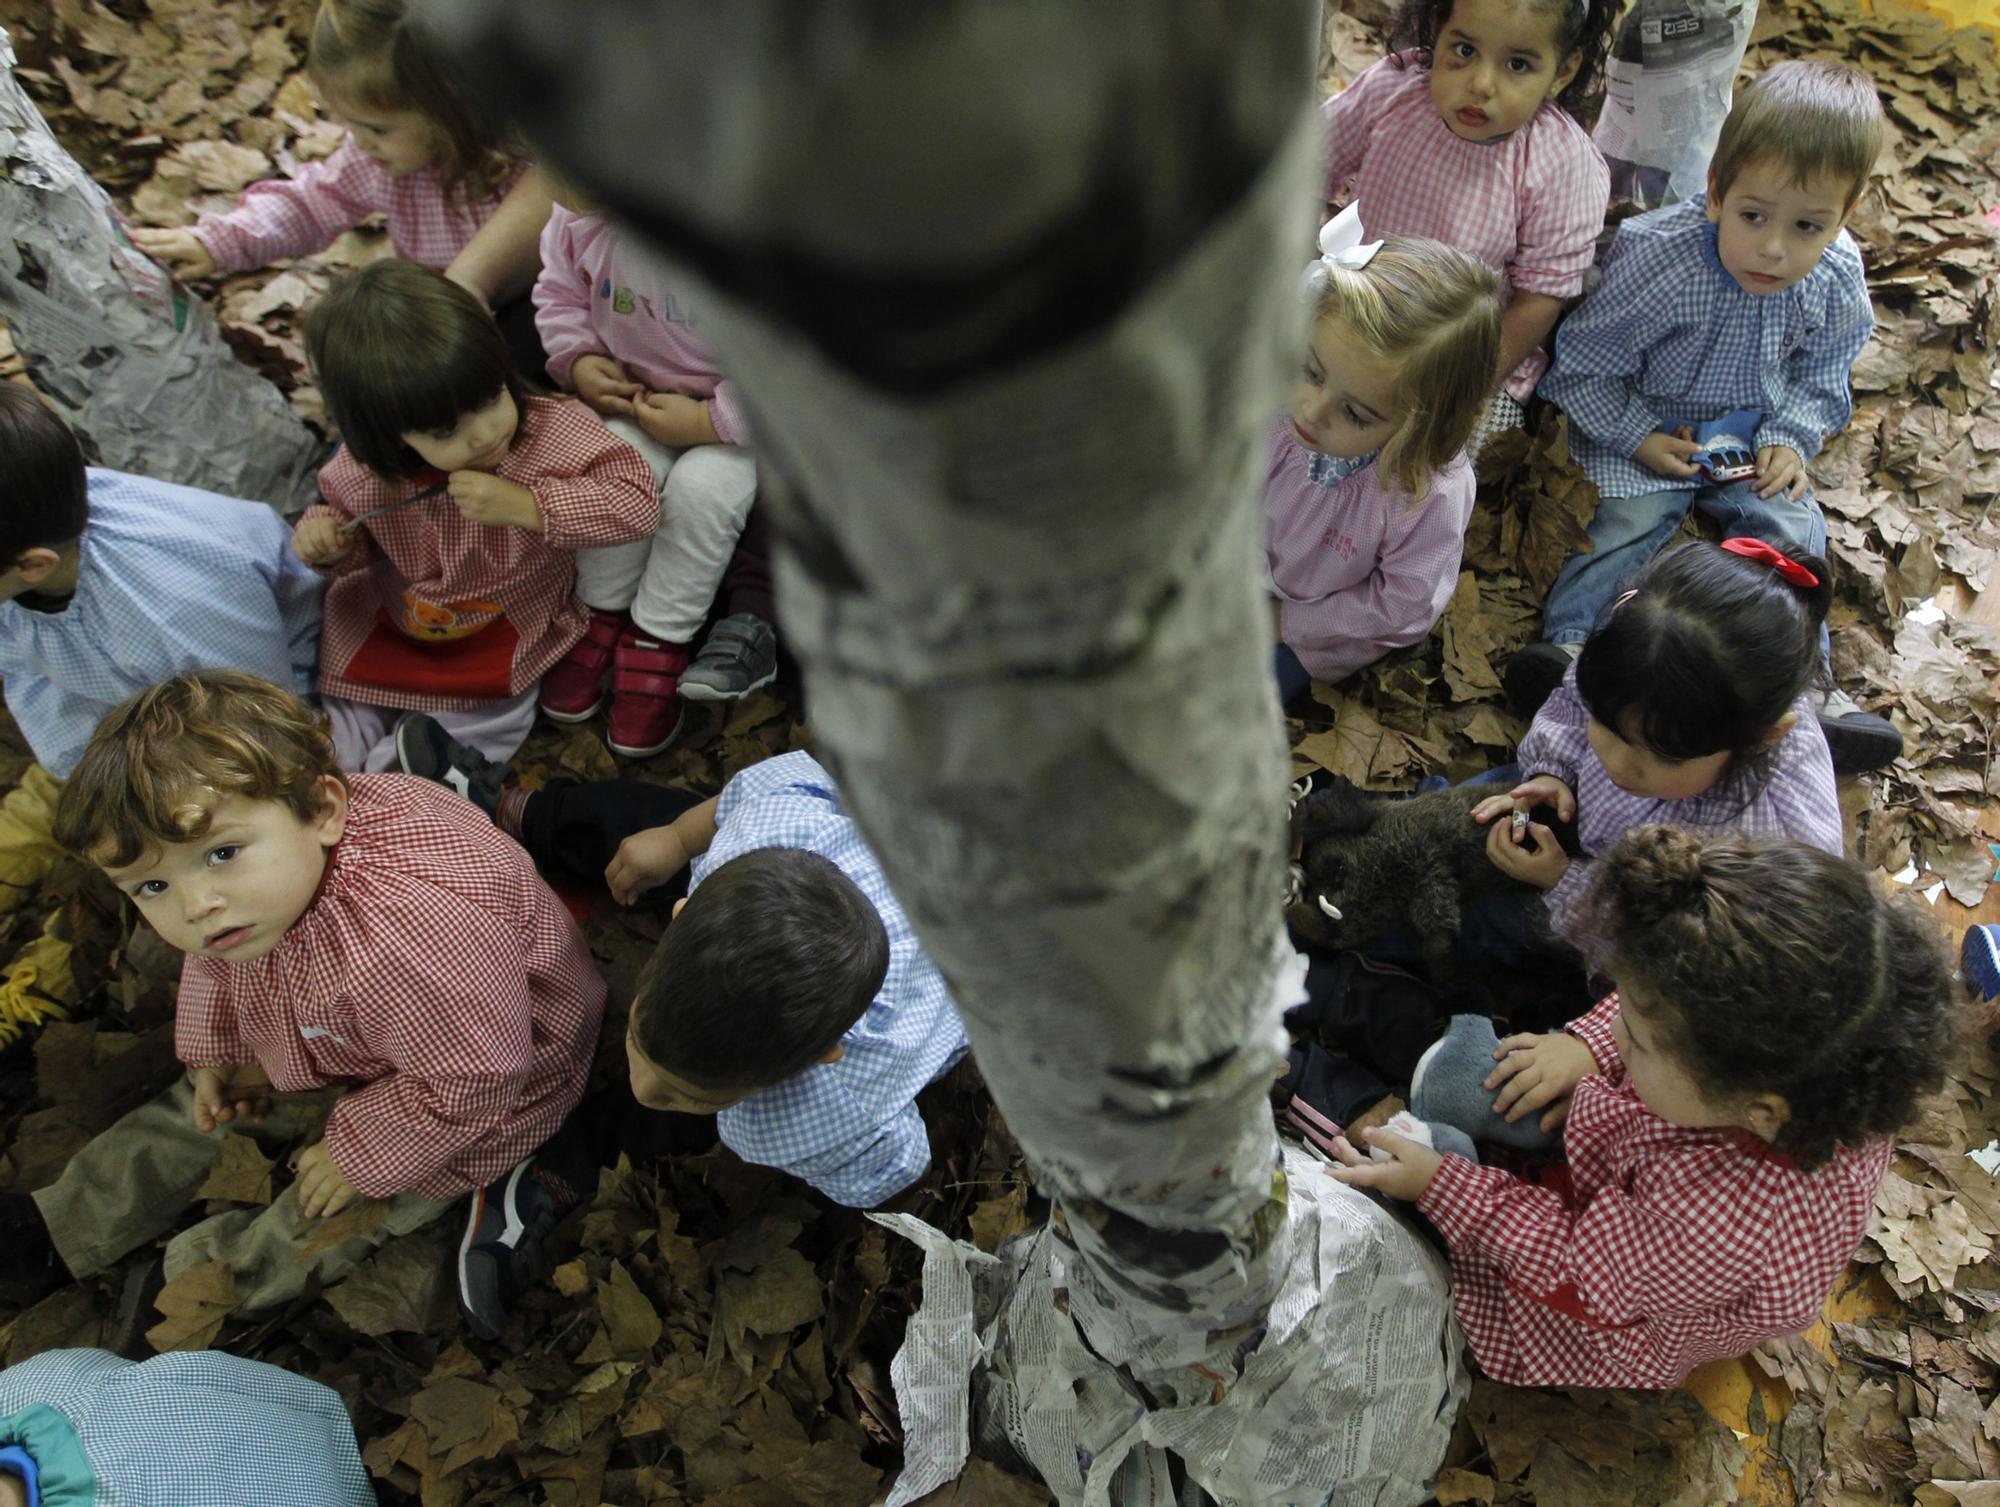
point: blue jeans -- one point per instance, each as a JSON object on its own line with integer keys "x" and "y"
{"x": 1629, "y": 531}
{"x": 1293, "y": 677}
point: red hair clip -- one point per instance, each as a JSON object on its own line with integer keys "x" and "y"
{"x": 1763, "y": 554}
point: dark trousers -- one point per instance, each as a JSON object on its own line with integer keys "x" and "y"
{"x": 572, "y": 829}
{"x": 524, "y": 341}
{"x": 1292, "y": 677}
{"x": 746, "y": 585}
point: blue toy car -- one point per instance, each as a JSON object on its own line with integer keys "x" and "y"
{"x": 1727, "y": 453}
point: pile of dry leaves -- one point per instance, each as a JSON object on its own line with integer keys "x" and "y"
{"x": 714, "y": 1335}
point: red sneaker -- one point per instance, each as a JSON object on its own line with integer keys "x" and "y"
{"x": 573, "y": 689}
{"x": 645, "y": 694}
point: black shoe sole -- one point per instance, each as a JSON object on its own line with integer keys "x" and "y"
{"x": 1859, "y": 748}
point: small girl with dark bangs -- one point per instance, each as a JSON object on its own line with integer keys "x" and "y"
{"x": 452, "y": 516}
{"x": 416, "y": 152}
{"x": 1689, "y": 705}
{"x": 1369, "y": 488}
{"x": 1727, "y": 1116}
{"x": 1469, "y": 134}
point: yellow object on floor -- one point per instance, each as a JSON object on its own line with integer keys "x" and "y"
{"x": 27, "y": 849}
{"x": 1965, "y": 12}
{"x": 1733, "y": 1390}
{"x": 38, "y": 986}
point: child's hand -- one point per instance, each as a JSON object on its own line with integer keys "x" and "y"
{"x": 1779, "y": 469}
{"x": 605, "y": 385}
{"x": 177, "y": 248}
{"x": 1533, "y": 857}
{"x": 643, "y": 860}
{"x": 222, "y": 1094}
{"x": 482, "y": 497}
{"x": 319, "y": 542}
{"x": 1406, "y": 1174}
{"x": 1542, "y": 790}
{"x": 322, "y": 1187}
{"x": 1536, "y": 1072}
{"x": 673, "y": 419}
{"x": 1667, "y": 455}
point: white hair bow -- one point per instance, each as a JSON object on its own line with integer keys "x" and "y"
{"x": 1340, "y": 240}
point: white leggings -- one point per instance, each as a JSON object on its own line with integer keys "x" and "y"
{"x": 364, "y": 736}
{"x": 669, "y": 581}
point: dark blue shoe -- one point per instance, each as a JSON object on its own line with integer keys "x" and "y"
{"x": 1979, "y": 960}
{"x": 500, "y": 1256}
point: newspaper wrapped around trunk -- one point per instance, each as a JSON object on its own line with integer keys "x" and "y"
{"x": 136, "y": 364}
{"x": 1009, "y": 296}
{"x": 1667, "y": 88}
{"x": 1346, "y": 1397}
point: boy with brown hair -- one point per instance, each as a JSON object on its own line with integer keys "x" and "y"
{"x": 370, "y": 933}
{"x": 1750, "y": 299}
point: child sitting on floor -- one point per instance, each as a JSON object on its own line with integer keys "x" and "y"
{"x": 195, "y": 1428}
{"x": 458, "y": 197}
{"x": 1727, "y": 1117}
{"x": 1469, "y": 136}
{"x": 110, "y": 583}
{"x": 374, "y": 933}
{"x": 1751, "y": 298}
{"x": 1689, "y": 705}
{"x": 452, "y": 517}
{"x": 1369, "y": 489}
{"x": 627, "y": 346}
{"x": 789, "y": 1008}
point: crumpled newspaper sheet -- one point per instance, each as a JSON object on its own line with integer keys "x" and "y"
{"x": 1347, "y": 1397}
{"x": 136, "y": 364}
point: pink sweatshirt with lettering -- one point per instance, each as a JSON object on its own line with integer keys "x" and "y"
{"x": 590, "y": 301}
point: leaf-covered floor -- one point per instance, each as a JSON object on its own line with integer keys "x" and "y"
{"x": 714, "y": 1335}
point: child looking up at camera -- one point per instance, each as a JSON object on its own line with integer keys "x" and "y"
{"x": 452, "y": 517}
{"x": 628, "y": 347}
{"x": 1689, "y": 705}
{"x": 372, "y": 933}
{"x": 1727, "y": 1117}
{"x": 457, "y": 195}
{"x": 1750, "y": 298}
{"x": 1469, "y": 136}
{"x": 1369, "y": 488}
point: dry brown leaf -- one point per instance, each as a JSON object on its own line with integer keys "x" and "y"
{"x": 195, "y": 1304}
{"x": 242, "y": 1173}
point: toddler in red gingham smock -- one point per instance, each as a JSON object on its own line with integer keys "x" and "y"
{"x": 1727, "y": 1116}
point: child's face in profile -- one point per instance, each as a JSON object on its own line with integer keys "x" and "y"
{"x": 656, "y": 1088}
{"x": 1658, "y": 1078}
{"x": 233, "y": 892}
{"x": 1770, "y": 228}
{"x": 402, "y": 141}
{"x": 479, "y": 441}
{"x": 1496, "y": 62}
{"x": 1343, "y": 401}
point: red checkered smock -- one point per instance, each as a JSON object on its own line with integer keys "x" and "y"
{"x": 435, "y": 973}
{"x": 1669, "y": 1246}
{"x": 593, "y": 489}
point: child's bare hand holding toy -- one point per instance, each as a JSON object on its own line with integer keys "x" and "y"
{"x": 319, "y": 542}
{"x": 1779, "y": 469}
{"x": 1538, "y": 1071}
{"x": 1667, "y": 455}
{"x": 1542, "y": 790}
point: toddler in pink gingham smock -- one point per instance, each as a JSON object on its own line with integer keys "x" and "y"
{"x": 1530, "y": 206}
